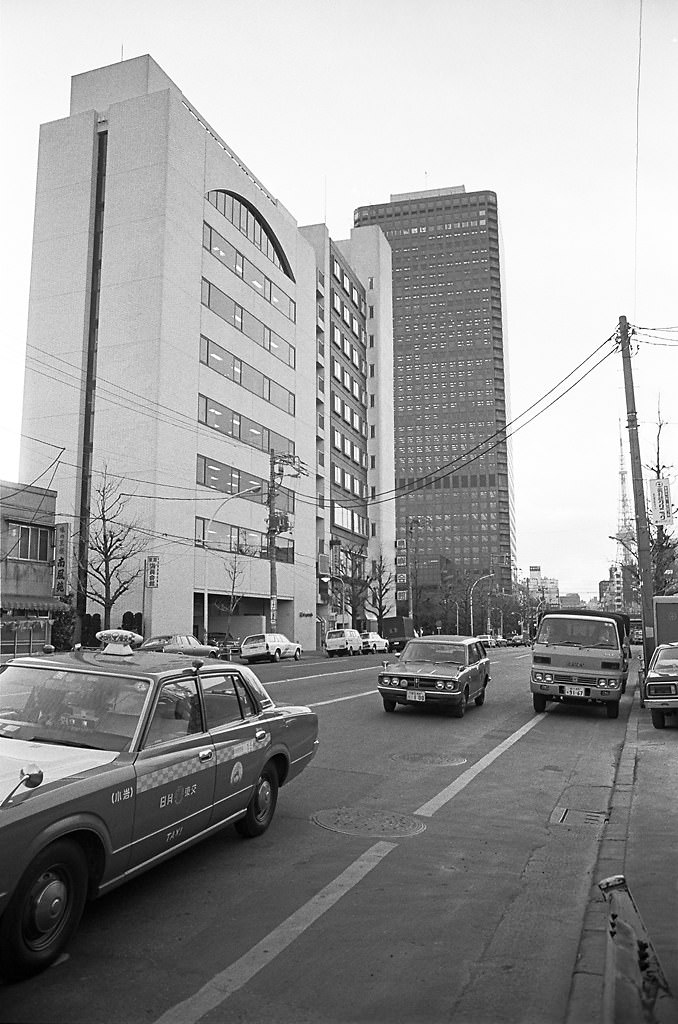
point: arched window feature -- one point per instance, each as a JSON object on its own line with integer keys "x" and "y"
{"x": 249, "y": 221}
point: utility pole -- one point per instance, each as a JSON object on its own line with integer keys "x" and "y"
{"x": 278, "y": 522}
{"x": 642, "y": 531}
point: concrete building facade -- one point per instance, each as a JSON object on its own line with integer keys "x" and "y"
{"x": 453, "y": 474}
{"x": 171, "y": 349}
{"x": 355, "y": 527}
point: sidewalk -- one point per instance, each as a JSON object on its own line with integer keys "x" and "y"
{"x": 641, "y": 843}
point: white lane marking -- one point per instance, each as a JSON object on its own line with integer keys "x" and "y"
{"x": 231, "y": 979}
{"x": 337, "y": 700}
{"x": 445, "y": 795}
{"x": 321, "y": 675}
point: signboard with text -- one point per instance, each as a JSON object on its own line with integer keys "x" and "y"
{"x": 62, "y": 537}
{"x": 152, "y": 570}
{"x": 660, "y": 502}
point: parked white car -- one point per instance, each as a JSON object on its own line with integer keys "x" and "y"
{"x": 372, "y": 643}
{"x": 270, "y": 647}
{"x": 487, "y": 640}
{"x": 343, "y": 641}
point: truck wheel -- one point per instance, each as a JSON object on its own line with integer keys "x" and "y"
{"x": 613, "y": 709}
{"x": 44, "y": 911}
{"x": 658, "y": 718}
{"x": 538, "y": 703}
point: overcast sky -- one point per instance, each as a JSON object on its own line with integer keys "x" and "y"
{"x": 335, "y": 104}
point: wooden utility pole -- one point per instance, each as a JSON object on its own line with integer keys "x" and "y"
{"x": 642, "y": 531}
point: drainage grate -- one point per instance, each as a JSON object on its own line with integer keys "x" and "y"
{"x": 356, "y": 821}
{"x": 444, "y": 760}
{"x": 574, "y": 817}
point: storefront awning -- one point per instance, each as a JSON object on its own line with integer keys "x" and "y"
{"x": 31, "y": 603}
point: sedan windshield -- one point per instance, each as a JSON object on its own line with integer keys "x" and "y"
{"x": 440, "y": 653}
{"x": 84, "y": 709}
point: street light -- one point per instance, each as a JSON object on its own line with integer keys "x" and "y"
{"x": 479, "y": 580}
{"x": 239, "y": 494}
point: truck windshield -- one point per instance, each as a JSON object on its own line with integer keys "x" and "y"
{"x": 578, "y": 632}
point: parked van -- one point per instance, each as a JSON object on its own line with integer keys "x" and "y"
{"x": 343, "y": 641}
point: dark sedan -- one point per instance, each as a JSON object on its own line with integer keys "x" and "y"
{"x": 441, "y": 670}
{"x": 181, "y": 643}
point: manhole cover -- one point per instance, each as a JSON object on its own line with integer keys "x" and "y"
{"x": 356, "y": 821}
{"x": 437, "y": 759}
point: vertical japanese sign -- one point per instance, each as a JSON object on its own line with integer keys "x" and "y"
{"x": 62, "y": 536}
{"x": 152, "y": 570}
{"x": 660, "y": 502}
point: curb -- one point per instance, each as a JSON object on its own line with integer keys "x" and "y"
{"x": 585, "y": 1003}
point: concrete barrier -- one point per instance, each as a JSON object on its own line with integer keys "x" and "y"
{"x": 635, "y": 989}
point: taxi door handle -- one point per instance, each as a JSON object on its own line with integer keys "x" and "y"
{"x": 260, "y": 734}
{"x": 205, "y": 755}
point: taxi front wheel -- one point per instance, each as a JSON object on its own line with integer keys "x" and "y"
{"x": 44, "y": 911}
{"x": 261, "y": 807}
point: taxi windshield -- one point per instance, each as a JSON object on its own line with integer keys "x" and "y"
{"x": 83, "y": 709}
{"x": 441, "y": 653}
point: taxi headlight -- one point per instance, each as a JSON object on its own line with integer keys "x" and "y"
{"x": 440, "y": 685}
{"x": 386, "y": 681}
{"x": 450, "y": 684}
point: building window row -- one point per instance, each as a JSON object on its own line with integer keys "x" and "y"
{"x": 251, "y": 275}
{"x": 342, "y": 478}
{"x": 232, "y": 313}
{"x": 30, "y": 543}
{"x": 349, "y": 382}
{"x": 240, "y": 541}
{"x": 253, "y": 380}
{"x": 347, "y": 315}
{"x": 233, "y": 424}
{"x": 347, "y": 519}
{"x": 349, "y": 448}
{"x": 464, "y": 481}
{"x": 229, "y": 480}
{"x": 242, "y": 218}
{"x": 349, "y": 350}
{"x": 348, "y": 414}
{"x": 340, "y": 275}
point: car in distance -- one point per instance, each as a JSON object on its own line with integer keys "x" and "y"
{"x": 180, "y": 643}
{"x": 343, "y": 641}
{"x": 374, "y": 643}
{"x": 269, "y": 647}
{"x": 486, "y": 640}
{"x": 441, "y": 670}
{"x": 113, "y": 760}
{"x": 660, "y": 685}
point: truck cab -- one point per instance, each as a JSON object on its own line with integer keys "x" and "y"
{"x": 580, "y": 657}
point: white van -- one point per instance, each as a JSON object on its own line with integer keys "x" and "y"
{"x": 343, "y": 641}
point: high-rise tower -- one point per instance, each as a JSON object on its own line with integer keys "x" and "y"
{"x": 453, "y": 486}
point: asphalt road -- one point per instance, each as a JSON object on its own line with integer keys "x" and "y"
{"x": 423, "y": 868}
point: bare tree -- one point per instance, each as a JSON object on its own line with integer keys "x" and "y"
{"x": 380, "y": 584}
{"x": 234, "y": 570}
{"x": 356, "y": 582}
{"x": 115, "y": 548}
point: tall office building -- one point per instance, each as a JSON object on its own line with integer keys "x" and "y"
{"x": 171, "y": 350}
{"x": 453, "y": 475}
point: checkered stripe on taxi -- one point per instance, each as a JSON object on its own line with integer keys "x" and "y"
{"x": 232, "y": 751}
{"x": 170, "y": 773}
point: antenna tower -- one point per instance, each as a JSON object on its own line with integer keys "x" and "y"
{"x": 626, "y": 535}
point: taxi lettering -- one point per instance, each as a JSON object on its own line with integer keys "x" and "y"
{"x": 178, "y": 795}
{"x": 118, "y": 795}
{"x": 174, "y": 834}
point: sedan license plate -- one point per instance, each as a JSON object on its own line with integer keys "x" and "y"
{"x": 416, "y": 695}
{"x": 574, "y": 691}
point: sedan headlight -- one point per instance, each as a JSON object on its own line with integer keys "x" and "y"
{"x": 608, "y": 684}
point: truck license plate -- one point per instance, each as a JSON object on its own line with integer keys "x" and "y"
{"x": 574, "y": 691}
{"x": 416, "y": 695}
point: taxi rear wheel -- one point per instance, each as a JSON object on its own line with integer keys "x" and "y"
{"x": 44, "y": 911}
{"x": 297, "y": 654}
{"x": 275, "y": 656}
{"x": 261, "y": 807}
